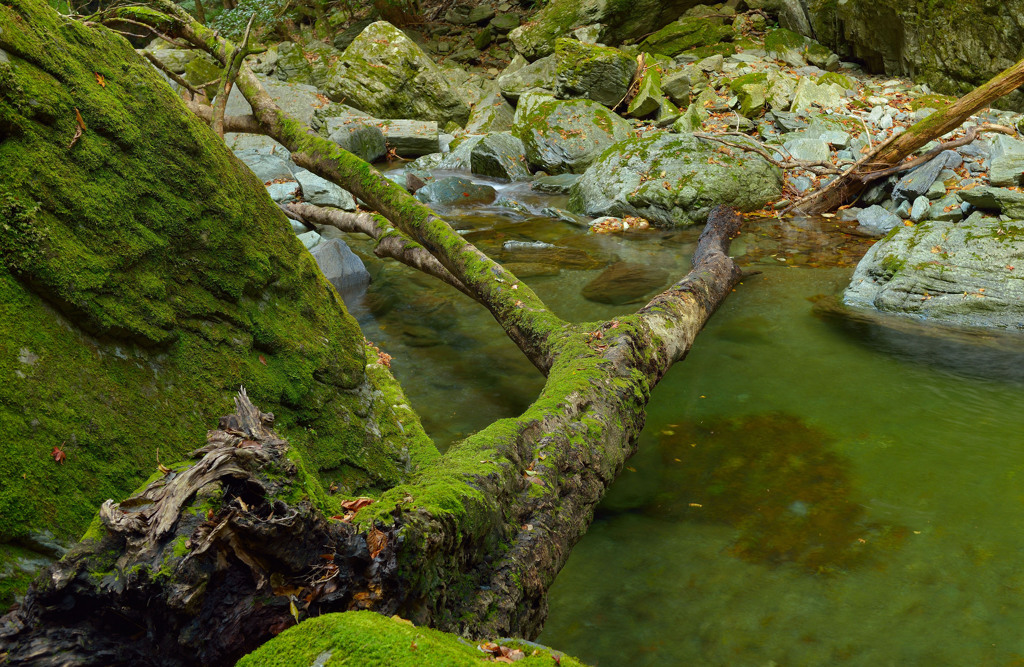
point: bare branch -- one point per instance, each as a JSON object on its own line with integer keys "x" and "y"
{"x": 171, "y": 75}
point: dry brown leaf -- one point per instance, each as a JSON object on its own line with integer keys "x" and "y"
{"x": 355, "y": 505}
{"x": 376, "y": 540}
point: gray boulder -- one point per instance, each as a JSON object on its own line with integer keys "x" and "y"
{"x": 877, "y": 220}
{"x": 918, "y": 181}
{"x": 673, "y": 179}
{"x": 536, "y": 77}
{"x": 500, "y": 155}
{"x": 268, "y": 167}
{"x": 962, "y": 274}
{"x": 491, "y": 113}
{"x": 320, "y": 191}
{"x": 359, "y": 136}
{"x": 341, "y": 266}
{"x": 1006, "y": 202}
{"x": 284, "y": 192}
{"x": 588, "y": 71}
{"x": 385, "y": 74}
{"x": 565, "y": 135}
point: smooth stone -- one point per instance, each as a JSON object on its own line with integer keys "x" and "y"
{"x": 946, "y": 209}
{"x": 267, "y": 167}
{"x": 455, "y": 190}
{"x": 920, "y": 209}
{"x": 359, "y": 136}
{"x": 811, "y": 150}
{"x": 917, "y": 182}
{"x": 341, "y": 266}
{"x": 555, "y": 185}
{"x": 1006, "y": 202}
{"x": 624, "y": 282}
{"x": 283, "y": 192}
{"x": 500, "y": 155}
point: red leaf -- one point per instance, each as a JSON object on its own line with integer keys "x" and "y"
{"x": 263, "y": 360}
{"x": 58, "y": 454}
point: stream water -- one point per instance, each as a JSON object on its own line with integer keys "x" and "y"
{"x": 805, "y": 493}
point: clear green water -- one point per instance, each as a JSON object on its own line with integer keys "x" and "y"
{"x": 856, "y": 500}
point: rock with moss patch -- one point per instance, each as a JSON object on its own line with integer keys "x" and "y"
{"x": 810, "y": 95}
{"x": 620, "y": 21}
{"x": 1007, "y": 202}
{"x": 359, "y": 136}
{"x": 648, "y": 97}
{"x": 535, "y": 77}
{"x": 455, "y": 190}
{"x": 592, "y": 72}
{"x": 954, "y": 273}
{"x": 685, "y": 34}
{"x": 500, "y": 155}
{"x": 491, "y": 113}
{"x": 674, "y": 180}
{"x": 385, "y": 74}
{"x": 751, "y": 91}
{"x": 565, "y": 135}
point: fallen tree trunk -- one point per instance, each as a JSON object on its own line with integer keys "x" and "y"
{"x": 895, "y": 150}
{"x": 220, "y": 555}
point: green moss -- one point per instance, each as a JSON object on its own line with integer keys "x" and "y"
{"x": 836, "y": 78}
{"x": 937, "y": 102}
{"x": 367, "y": 639}
{"x": 155, "y": 278}
{"x": 687, "y": 33}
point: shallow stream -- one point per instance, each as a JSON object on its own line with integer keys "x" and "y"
{"x": 805, "y": 493}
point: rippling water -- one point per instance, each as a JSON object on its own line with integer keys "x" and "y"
{"x": 806, "y": 493}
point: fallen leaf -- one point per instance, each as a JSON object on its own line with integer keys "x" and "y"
{"x": 163, "y": 469}
{"x": 376, "y": 540}
{"x": 263, "y": 360}
{"x": 79, "y": 130}
{"x": 58, "y": 454}
{"x": 293, "y": 609}
{"x": 100, "y": 80}
{"x": 357, "y": 504}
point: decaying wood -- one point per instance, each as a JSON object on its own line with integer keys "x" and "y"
{"x": 891, "y": 153}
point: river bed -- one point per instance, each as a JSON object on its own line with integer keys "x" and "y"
{"x": 803, "y": 494}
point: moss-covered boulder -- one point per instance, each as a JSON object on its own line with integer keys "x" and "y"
{"x": 687, "y": 33}
{"x": 367, "y": 639}
{"x": 674, "y": 179}
{"x": 520, "y": 78}
{"x": 563, "y": 136}
{"x": 385, "y": 74}
{"x": 145, "y": 275}
{"x": 588, "y": 71}
{"x": 962, "y": 274}
{"x": 751, "y": 91}
{"x": 648, "y": 97}
{"x": 620, "y": 20}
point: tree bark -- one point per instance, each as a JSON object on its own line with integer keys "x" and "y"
{"x": 893, "y": 151}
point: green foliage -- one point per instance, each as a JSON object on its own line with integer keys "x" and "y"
{"x": 270, "y": 15}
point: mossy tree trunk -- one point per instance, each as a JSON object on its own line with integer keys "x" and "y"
{"x": 221, "y": 554}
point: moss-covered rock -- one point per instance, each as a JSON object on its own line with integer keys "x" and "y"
{"x": 146, "y": 276}
{"x": 368, "y": 639}
{"x": 385, "y": 74}
{"x": 520, "y": 78}
{"x": 563, "y": 136}
{"x": 961, "y": 274}
{"x": 674, "y": 179}
{"x": 620, "y": 20}
{"x": 598, "y": 73}
{"x": 687, "y": 33}
{"x": 751, "y": 91}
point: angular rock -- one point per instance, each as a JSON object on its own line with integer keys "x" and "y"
{"x": 648, "y": 98}
{"x": 267, "y": 166}
{"x": 962, "y": 274}
{"x": 503, "y": 23}
{"x": 919, "y": 210}
{"x": 676, "y": 86}
{"x": 592, "y": 72}
{"x": 877, "y": 220}
{"x": 673, "y": 180}
{"x": 345, "y": 37}
{"x": 751, "y": 92}
{"x": 284, "y": 192}
{"x": 565, "y": 135}
{"x": 320, "y": 191}
{"x": 471, "y": 14}
{"x": 341, "y": 266}
{"x": 917, "y": 182}
{"x": 811, "y": 150}
{"x": 500, "y": 155}
{"x": 809, "y": 94}
{"x": 946, "y": 209}
{"x": 538, "y": 76}
{"x": 359, "y": 136}
{"x": 385, "y": 74}
{"x": 454, "y": 190}
{"x": 309, "y": 239}
{"x": 492, "y": 113}
{"x": 1007, "y": 202}
{"x": 411, "y": 138}
{"x": 1007, "y": 169}
{"x": 685, "y": 34}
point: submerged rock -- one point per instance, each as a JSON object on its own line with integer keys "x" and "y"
{"x": 624, "y": 282}
{"x": 673, "y": 179}
{"x": 964, "y": 274}
{"x": 455, "y": 190}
